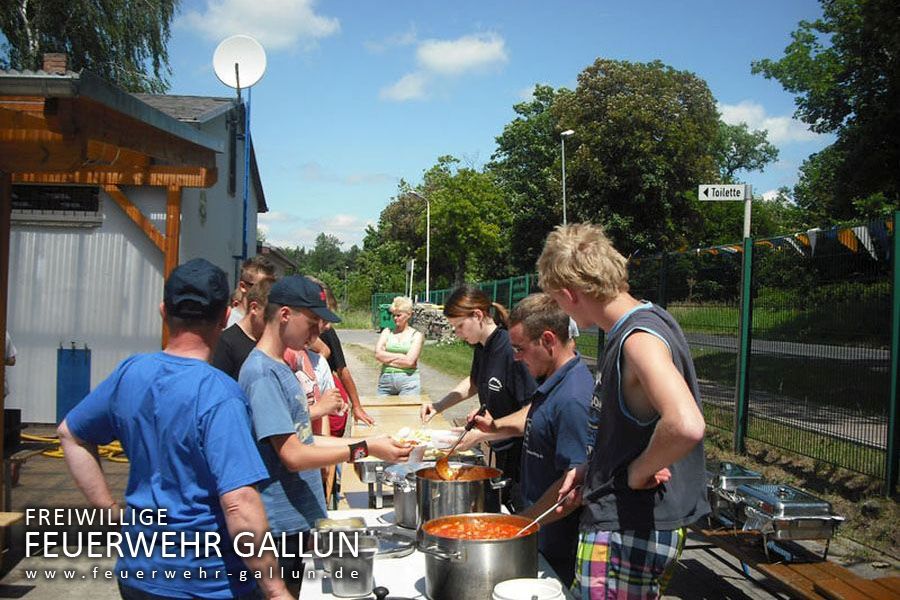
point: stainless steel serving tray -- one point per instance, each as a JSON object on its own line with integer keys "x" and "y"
{"x": 782, "y": 501}
{"x": 729, "y": 476}
{"x": 792, "y": 528}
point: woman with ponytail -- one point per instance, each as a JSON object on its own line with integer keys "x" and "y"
{"x": 502, "y": 383}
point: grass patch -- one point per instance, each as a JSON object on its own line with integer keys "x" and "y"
{"x": 355, "y": 318}
{"x": 828, "y": 449}
{"x": 820, "y": 380}
{"x": 453, "y": 359}
{"x": 862, "y": 326}
{"x": 586, "y": 344}
{"x": 364, "y": 354}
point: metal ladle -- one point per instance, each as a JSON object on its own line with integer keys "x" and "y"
{"x": 548, "y": 511}
{"x": 442, "y": 466}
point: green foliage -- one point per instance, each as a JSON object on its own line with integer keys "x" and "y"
{"x": 469, "y": 221}
{"x": 453, "y": 359}
{"x": 739, "y": 149}
{"x": 355, "y": 318}
{"x": 845, "y": 71}
{"x": 527, "y": 165}
{"x": 644, "y": 133}
{"x": 123, "y": 41}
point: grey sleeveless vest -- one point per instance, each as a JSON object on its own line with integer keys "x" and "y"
{"x": 610, "y": 505}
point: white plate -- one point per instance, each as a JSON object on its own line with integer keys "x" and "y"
{"x": 443, "y": 438}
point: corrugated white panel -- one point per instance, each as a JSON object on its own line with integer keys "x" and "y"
{"x": 96, "y": 286}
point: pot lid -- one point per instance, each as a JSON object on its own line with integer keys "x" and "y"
{"x": 397, "y": 473}
{"x": 381, "y": 593}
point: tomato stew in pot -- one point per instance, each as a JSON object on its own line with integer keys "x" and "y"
{"x": 466, "y": 473}
{"x": 473, "y": 528}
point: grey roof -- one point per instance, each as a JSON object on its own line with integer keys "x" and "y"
{"x": 86, "y": 84}
{"x": 198, "y": 109}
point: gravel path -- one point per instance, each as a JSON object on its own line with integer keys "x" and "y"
{"x": 359, "y": 350}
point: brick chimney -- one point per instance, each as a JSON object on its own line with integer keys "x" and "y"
{"x": 55, "y": 63}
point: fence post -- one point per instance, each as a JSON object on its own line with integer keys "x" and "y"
{"x": 662, "y": 292}
{"x": 893, "y": 434}
{"x": 741, "y": 386}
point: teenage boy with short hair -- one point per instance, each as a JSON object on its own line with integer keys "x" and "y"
{"x": 645, "y": 481}
{"x": 293, "y": 493}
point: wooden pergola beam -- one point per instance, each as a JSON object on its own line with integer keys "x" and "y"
{"x": 164, "y": 176}
{"x": 173, "y": 237}
{"x": 135, "y": 214}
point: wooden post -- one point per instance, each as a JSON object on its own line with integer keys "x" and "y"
{"x": 173, "y": 237}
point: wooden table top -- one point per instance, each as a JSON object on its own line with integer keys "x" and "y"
{"x": 413, "y": 400}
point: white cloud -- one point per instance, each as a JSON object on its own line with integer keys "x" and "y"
{"x": 526, "y": 94}
{"x": 410, "y": 87}
{"x": 315, "y": 172}
{"x": 275, "y": 217}
{"x": 277, "y": 24}
{"x": 406, "y": 38}
{"x": 447, "y": 58}
{"x": 782, "y": 130}
{"x": 349, "y": 229}
{"x": 770, "y": 195}
{"x": 468, "y": 53}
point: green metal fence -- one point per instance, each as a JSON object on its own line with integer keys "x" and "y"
{"x": 816, "y": 371}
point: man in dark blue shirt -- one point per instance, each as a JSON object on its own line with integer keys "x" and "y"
{"x": 556, "y": 426}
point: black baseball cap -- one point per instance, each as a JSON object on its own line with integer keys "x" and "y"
{"x": 197, "y": 289}
{"x": 297, "y": 291}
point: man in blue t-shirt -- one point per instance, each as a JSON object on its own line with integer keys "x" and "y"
{"x": 292, "y": 491}
{"x": 556, "y": 427}
{"x": 193, "y": 462}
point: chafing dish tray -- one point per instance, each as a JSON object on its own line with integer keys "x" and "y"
{"x": 729, "y": 476}
{"x": 722, "y": 480}
{"x": 782, "y": 512}
{"x": 782, "y": 501}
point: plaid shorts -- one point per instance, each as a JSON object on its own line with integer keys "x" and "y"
{"x": 626, "y": 565}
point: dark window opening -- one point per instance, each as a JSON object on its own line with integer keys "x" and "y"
{"x": 75, "y": 198}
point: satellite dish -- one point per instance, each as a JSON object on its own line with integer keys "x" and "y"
{"x": 239, "y": 61}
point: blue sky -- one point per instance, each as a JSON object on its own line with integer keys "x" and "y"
{"x": 360, "y": 94}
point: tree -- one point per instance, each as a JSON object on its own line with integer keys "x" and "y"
{"x": 845, "y": 71}
{"x": 644, "y": 134}
{"x": 739, "y": 149}
{"x": 123, "y": 41}
{"x": 469, "y": 218}
{"x": 326, "y": 256}
{"x": 527, "y": 166}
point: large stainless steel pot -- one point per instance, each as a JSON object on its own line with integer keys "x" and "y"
{"x": 476, "y": 490}
{"x": 403, "y": 478}
{"x": 460, "y": 569}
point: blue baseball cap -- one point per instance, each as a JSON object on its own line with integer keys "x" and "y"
{"x": 297, "y": 291}
{"x": 197, "y": 289}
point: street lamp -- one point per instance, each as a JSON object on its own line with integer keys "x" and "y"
{"x": 562, "y": 139}
{"x": 427, "y": 243}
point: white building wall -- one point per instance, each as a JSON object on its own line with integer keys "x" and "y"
{"x": 212, "y": 222}
{"x": 99, "y": 286}
{"x": 102, "y": 286}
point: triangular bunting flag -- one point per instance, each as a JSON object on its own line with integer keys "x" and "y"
{"x": 846, "y": 237}
{"x": 862, "y": 234}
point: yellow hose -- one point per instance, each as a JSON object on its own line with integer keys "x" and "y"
{"x": 112, "y": 451}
